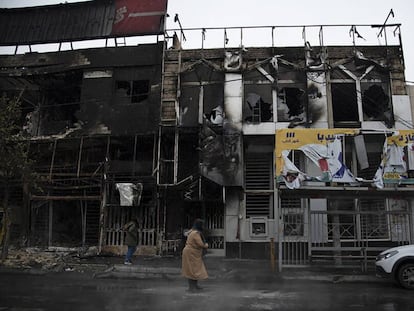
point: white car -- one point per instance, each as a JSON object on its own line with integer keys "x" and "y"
{"x": 398, "y": 264}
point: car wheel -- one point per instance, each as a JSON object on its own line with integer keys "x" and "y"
{"x": 405, "y": 276}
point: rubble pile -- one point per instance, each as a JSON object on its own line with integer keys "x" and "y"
{"x": 55, "y": 259}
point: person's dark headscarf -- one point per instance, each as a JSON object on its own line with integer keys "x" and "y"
{"x": 198, "y": 224}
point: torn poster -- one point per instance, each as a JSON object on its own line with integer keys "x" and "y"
{"x": 129, "y": 193}
{"x": 393, "y": 167}
{"x": 322, "y": 146}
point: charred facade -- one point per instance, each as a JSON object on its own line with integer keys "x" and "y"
{"x": 303, "y": 153}
{"x": 92, "y": 117}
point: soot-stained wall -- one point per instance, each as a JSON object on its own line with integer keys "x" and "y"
{"x": 125, "y": 98}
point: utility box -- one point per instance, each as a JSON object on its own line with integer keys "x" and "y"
{"x": 259, "y": 227}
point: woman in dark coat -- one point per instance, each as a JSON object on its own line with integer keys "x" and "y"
{"x": 131, "y": 240}
{"x": 193, "y": 267}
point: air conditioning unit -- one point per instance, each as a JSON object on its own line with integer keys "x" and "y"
{"x": 259, "y": 227}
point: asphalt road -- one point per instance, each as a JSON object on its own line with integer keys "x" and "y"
{"x": 77, "y": 291}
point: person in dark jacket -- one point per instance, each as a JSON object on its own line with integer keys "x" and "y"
{"x": 131, "y": 239}
{"x": 193, "y": 268}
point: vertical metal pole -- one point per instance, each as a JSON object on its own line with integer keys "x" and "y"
{"x": 411, "y": 220}
{"x": 135, "y": 154}
{"x": 176, "y": 150}
{"x": 272, "y": 254}
{"x": 359, "y": 100}
{"x": 50, "y": 231}
{"x": 52, "y": 160}
{"x": 329, "y": 100}
{"x": 201, "y": 104}
{"x": 159, "y": 166}
{"x": 103, "y": 211}
{"x": 309, "y": 229}
{"x": 80, "y": 156}
{"x": 241, "y": 36}
{"x": 84, "y": 211}
{"x": 281, "y": 234}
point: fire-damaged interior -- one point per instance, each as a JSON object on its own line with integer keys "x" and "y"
{"x": 49, "y": 102}
{"x": 93, "y": 128}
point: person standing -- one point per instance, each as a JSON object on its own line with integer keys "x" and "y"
{"x": 193, "y": 268}
{"x": 131, "y": 240}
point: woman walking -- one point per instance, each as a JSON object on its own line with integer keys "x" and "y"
{"x": 193, "y": 267}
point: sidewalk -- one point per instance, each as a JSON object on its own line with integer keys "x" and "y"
{"x": 239, "y": 270}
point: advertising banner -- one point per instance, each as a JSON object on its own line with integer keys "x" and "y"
{"x": 322, "y": 146}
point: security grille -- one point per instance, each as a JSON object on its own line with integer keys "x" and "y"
{"x": 259, "y": 186}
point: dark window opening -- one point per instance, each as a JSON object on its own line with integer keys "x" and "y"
{"x": 344, "y": 102}
{"x": 291, "y": 103}
{"x": 132, "y": 91}
{"x": 376, "y": 104}
{"x": 260, "y": 111}
{"x": 258, "y": 102}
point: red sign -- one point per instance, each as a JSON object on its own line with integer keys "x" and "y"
{"x": 138, "y": 17}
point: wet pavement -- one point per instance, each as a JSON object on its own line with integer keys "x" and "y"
{"x": 75, "y": 290}
{"x": 73, "y": 282}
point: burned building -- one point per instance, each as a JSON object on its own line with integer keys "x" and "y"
{"x": 304, "y": 152}
{"x": 301, "y": 152}
{"x": 91, "y": 117}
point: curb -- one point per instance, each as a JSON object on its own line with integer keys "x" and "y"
{"x": 171, "y": 273}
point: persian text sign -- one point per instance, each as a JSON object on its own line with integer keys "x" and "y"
{"x": 402, "y": 138}
{"x": 293, "y": 139}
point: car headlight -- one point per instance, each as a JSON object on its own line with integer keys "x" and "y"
{"x": 386, "y": 255}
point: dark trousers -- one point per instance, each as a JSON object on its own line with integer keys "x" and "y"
{"x": 193, "y": 285}
{"x": 131, "y": 250}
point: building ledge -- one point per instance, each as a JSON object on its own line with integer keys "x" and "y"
{"x": 338, "y": 192}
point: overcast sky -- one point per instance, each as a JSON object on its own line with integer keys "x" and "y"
{"x": 232, "y": 13}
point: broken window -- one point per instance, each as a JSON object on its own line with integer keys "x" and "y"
{"x": 258, "y": 105}
{"x": 258, "y": 102}
{"x": 344, "y": 103}
{"x": 290, "y": 106}
{"x": 257, "y": 110}
{"x": 376, "y": 103}
{"x": 201, "y": 86}
{"x": 131, "y": 92}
